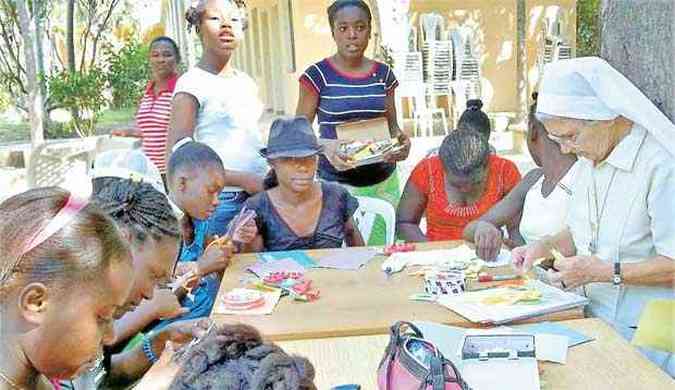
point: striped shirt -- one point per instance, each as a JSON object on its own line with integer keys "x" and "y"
{"x": 350, "y": 97}
{"x": 152, "y": 118}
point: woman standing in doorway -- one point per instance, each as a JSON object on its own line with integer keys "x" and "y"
{"x": 346, "y": 87}
{"x": 219, "y": 106}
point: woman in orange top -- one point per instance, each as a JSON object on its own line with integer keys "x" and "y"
{"x": 454, "y": 187}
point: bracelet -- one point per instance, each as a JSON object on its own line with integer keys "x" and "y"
{"x": 147, "y": 350}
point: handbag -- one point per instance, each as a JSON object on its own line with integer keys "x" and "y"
{"x": 412, "y": 363}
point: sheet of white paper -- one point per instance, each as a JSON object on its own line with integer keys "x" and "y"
{"x": 551, "y": 347}
{"x": 501, "y": 374}
{"x": 504, "y": 258}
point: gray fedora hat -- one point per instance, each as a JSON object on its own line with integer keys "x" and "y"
{"x": 291, "y": 137}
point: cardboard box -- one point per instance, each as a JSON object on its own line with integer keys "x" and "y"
{"x": 371, "y": 141}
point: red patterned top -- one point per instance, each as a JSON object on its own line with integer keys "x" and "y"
{"x": 152, "y": 117}
{"x": 447, "y": 222}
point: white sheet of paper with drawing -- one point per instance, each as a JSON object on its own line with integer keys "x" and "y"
{"x": 470, "y": 304}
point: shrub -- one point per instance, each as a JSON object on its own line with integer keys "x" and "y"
{"x": 81, "y": 93}
{"x": 127, "y": 74}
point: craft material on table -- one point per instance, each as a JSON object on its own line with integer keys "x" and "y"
{"x": 488, "y": 306}
{"x": 461, "y": 258}
{"x": 299, "y": 288}
{"x": 300, "y": 257}
{"x": 551, "y": 347}
{"x": 484, "y": 277}
{"x": 444, "y": 283}
{"x": 271, "y": 300}
{"x": 262, "y": 269}
{"x": 243, "y": 299}
{"x": 499, "y": 361}
{"x": 396, "y": 248}
{"x": 574, "y": 338}
{"x": 348, "y": 260}
{"x": 656, "y": 328}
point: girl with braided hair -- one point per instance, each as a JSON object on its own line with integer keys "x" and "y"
{"x": 231, "y": 357}
{"x": 149, "y": 226}
{"x": 63, "y": 277}
{"x": 454, "y": 187}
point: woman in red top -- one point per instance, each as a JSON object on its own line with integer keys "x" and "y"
{"x": 453, "y": 187}
{"x": 154, "y": 110}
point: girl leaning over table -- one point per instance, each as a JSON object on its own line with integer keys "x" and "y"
{"x": 348, "y": 87}
{"x": 620, "y": 235}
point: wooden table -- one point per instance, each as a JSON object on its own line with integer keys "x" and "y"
{"x": 352, "y": 303}
{"x": 609, "y": 362}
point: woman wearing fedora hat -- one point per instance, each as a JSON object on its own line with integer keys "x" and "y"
{"x": 297, "y": 211}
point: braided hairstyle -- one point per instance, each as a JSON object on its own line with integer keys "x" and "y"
{"x": 464, "y": 152}
{"x": 194, "y": 13}
{"x": 79, "y": 252}
{"x": 234, "y": 357}
{"x": 473, "y": 118}
{"x": 139, "y": 207}
{"x": 341, "y": 4}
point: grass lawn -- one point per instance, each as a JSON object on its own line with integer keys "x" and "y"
{"x": 110, "y": 119}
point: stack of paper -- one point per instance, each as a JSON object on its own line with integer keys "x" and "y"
{"x": 472, "y": 306}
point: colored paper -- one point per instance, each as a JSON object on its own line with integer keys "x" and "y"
{"x": 574, "y": 338}
{"x": 300, "y": 257}
{"x": 262, "y": 269}
{"x": 657, "y": 326}
{"x": 351, "y": 259}
{"x": 551, "y": 347}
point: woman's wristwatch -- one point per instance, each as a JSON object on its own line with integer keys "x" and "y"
{"x": 617, "y": 279}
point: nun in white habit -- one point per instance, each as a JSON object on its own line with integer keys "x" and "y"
{"x": 620, "y": 238}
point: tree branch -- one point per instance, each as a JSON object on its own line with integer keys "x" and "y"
{"x": 102, "y": 27}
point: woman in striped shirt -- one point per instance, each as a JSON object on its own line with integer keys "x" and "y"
{"x": 154, "y": 110}
{"x": 347, "y": 87}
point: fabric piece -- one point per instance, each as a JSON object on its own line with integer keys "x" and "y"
{"x": 345, "y": 98}
{"x": 351, "y": 259}
{"x": 447, "y": 222}
{"x": 227, "y": 118}
{"x": 590, "y": 88}
{"x": 656, "y": 328}
{"x": 152, "y": 118}
{"x": 543, "y": 216}
{"x": 388, "y": 190}
{"x": 337, "y": 207}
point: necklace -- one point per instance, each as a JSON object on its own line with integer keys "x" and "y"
{"x": 9, "y": 381}
{"x": 599, "y": 212}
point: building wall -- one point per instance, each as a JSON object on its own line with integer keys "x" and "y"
{"x": 267, "y": 51}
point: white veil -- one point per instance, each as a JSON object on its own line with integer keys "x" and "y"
{"x": 590, "y": 88}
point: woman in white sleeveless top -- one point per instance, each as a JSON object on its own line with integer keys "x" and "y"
{"x": 537, "y": 206}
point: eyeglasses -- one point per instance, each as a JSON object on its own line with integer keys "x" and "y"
{"x": 564, "y": 140}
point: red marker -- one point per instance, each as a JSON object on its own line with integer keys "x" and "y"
{"x": 496, "y": 278}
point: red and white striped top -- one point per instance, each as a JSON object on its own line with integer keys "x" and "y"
{"x": 152, "y": 118}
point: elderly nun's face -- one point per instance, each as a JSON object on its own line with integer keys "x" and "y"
{"x": 588, "y": 139}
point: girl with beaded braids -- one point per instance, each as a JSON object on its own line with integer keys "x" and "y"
{"x": 218, "y": 105}
{"x": 454, "y": 187}
{"x": 149, "y": 226}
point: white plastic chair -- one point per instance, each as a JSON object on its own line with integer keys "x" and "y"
{"x": 369, "y": 208}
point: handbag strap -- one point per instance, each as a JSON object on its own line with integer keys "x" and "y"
{"x": 436, "y": 370}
